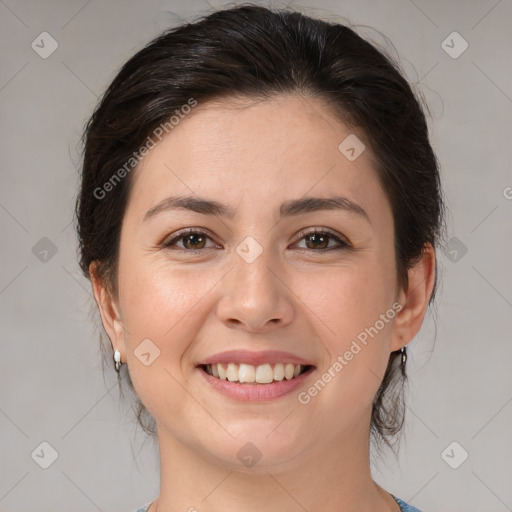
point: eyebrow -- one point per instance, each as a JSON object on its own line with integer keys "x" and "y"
{"x": 287, "y": 209}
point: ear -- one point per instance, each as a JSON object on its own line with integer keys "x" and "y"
{"x": 415, "y": 299}
{"x": 109, "y": 310}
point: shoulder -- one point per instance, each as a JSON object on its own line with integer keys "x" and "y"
{"x": 404, "y": 507}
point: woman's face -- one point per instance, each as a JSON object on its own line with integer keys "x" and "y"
{"x": 254, "y": 280}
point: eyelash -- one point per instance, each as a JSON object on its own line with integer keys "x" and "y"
{"x": 343, "y": 245}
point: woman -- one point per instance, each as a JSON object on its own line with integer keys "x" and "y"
{"x": 259, "y": 211}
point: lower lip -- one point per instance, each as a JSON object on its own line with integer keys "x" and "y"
{"x": 255, "y": 392}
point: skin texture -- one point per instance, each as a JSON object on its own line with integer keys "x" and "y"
{"x": 253, "y": 156}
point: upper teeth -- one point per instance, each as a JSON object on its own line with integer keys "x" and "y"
{"x": 262, "y": 374}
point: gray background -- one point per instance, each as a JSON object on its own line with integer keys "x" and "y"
{"x": 52, "y": 387}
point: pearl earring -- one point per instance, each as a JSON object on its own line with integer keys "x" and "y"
{"x": 404, "y": 355}
{"x": 117, "y": 360}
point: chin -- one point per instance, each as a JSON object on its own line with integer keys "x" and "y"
{"x": 255, "y": 450}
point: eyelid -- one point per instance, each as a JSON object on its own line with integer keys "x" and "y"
{"x": 342, "y": 241}
{"x": 345, "y": 242}
{"x": 168, "y": 240}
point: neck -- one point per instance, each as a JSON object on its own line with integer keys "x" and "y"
{"x": 329, "y": 480}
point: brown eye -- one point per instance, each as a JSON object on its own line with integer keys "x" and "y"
{"x": 190, "y": 240}
{"x": 322, "y": 241}
{"x": 195, "y": 240}
{"x": 317, "y": 241}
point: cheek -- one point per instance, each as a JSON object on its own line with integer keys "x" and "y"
{"x": 355, "y": 308}
{"x": 164, "y": 305}
{"x": 349, "y": 299}
{"x": 160, "y": 300}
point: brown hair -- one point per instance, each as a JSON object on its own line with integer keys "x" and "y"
{"x": 256, "y": 52}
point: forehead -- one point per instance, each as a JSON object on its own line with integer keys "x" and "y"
{"x": 255, "y": 153}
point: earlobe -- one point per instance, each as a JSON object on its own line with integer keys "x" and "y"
{"x": 109, "y": 310}
{"x": 416, "y": 299}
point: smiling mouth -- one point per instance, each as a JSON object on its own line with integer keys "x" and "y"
{"x": 251, "y": 374}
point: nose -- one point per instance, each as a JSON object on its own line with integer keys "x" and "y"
{"x": 255, "y": 296}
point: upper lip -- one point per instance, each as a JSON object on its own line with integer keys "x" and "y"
{"x": 255, "y": 358}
